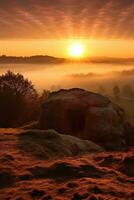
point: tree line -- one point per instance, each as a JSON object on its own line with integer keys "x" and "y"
{"x": 117, "y": 92}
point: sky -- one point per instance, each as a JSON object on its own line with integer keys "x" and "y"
{"x": 29, "y": 27}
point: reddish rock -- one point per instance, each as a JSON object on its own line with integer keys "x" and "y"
{"x": 86, "y": 115}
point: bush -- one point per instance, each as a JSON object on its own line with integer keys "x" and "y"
{"x": 18, "y": 100}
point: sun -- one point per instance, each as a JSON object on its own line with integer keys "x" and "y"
{"x": 76, "y": 49}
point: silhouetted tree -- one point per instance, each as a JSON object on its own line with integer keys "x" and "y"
{"x": 44, "y": 96}
{"x": 116, "y": 92}
{"x": 17, "y": 100}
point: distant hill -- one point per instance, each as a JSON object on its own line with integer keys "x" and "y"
{"x": 109, "y": 60}
{"x": 38, "y": 59}
{"x": 31, "y": 59}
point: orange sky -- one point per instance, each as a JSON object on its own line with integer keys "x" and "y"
{"x": 32, "y": 27}
{"x": 59, "y": 48}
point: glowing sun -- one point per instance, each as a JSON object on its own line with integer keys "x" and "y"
{"x": 76, "y": 50}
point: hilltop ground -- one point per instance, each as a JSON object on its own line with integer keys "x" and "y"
{"x": 102, "y": 175}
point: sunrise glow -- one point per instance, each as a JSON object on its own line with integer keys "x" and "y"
{"x": 76, "y": 49}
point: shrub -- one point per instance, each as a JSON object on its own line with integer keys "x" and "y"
{"x": 18, "y": 100}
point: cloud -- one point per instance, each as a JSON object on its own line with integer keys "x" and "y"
{"x": 66, "y": 18}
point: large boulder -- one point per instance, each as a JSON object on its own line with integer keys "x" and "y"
{"x": 49, "y": 144}
{"x": 85, "y": 115}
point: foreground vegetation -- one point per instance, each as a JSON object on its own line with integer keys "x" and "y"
{"x": 19, "y": 101}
